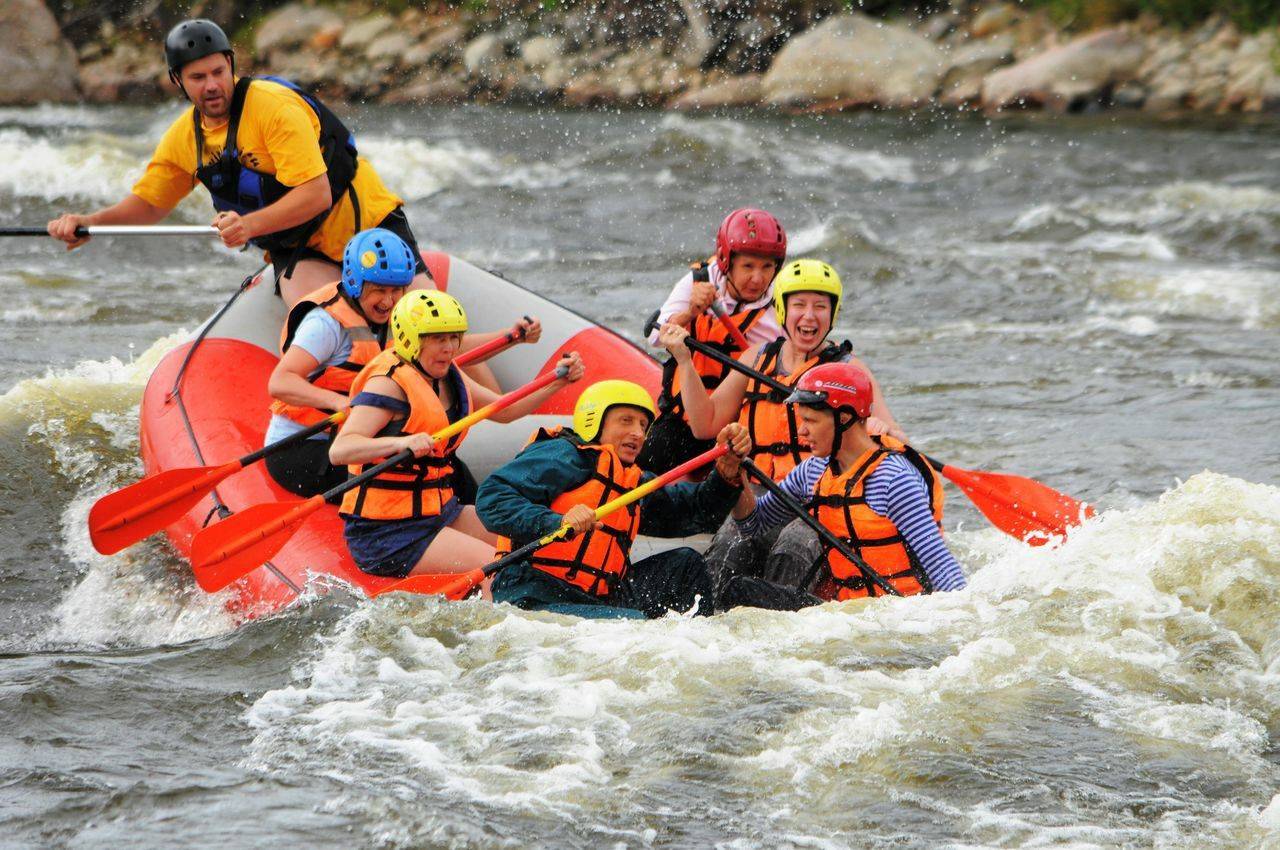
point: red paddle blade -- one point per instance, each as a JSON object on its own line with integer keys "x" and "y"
{"x": 452, "y": 586}
{"x": 122, "y": 518}
{"x": 244, "y": 541}
{"x": 1021, "y": 507}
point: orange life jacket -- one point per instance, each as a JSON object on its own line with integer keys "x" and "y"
{"x": 840, "y": 504}
{"x": 706, "y": 328}
{"x": 595, "y": 561}
{"x": 366, "y": 344}
{"x": 775, "y": 439}
{"x": 422, "y": 486}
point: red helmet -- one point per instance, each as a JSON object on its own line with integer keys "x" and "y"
{"x": 839, "y": 386}
{"x": 750, "y": 231}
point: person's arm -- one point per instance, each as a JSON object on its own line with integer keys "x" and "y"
{"x": 288, "y": 383}
{"x": 679, "y": 510}
{"x": 356, "y": 442}
{"x": 900, "y": 494}
{"x": 480, "y": 396}
{"x": 131, "y": 210}
{"x": 319, "y": 340}
{"x": 676, "y": 308}
{"x": 769, "y": 511}
{"x": 707, "y": 413}
{"x": 300, "y": 204}
{"x": 513, "y": 501}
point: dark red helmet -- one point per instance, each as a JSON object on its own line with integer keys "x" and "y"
{"x": 752, "y": 232}
{"x": 839, "y": 386}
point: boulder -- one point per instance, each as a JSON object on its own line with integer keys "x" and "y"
{"x": 540, "y": 51}
{"x": 1254, "y": 83}
{"x": 293, "y": 26}
{"x": 855, "y": 59}
{"x": 1064, "y": 77}
{"x": 37, "y": 63}
{"x": 429, "y": 86}
{"x": 731, "y": 91}
{"x": 357, "y": 37}
{"x": 439, "y": 47}
{"x": 483, "y": 55}
{"x": 389, "y": 47}
{"x": 994, "y": 19}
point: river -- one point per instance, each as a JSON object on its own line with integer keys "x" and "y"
{"x": 1091, "y": 301}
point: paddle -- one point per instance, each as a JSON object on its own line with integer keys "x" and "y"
{"x": 120, "y": 519}
{"x": 1018, "y": 506}
{"x": 122, "y": 230}
{"x": 455, "y": 586}
{"x": 823, "y": 532}
{"x": 734, "y": 330}
{"x": 238, "y": 545}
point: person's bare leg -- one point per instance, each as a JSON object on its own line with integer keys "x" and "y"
{"x": 469, "y": 522}
{"x": 307, "y": 277}
{"x": 453, "y": 551}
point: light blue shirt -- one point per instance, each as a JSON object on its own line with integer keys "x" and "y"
{"x": 323, "y": 337}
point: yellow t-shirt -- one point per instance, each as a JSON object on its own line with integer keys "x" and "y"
{"x": 279, "y": 134}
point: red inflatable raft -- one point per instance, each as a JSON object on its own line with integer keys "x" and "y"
{"x": 207, "y": 403}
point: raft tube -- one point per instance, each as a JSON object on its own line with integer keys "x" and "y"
{"x": 207, "y": 403}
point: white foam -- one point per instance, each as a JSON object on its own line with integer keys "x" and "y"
{"x": 1146, "y": 246}
{"x": 1246, "y": 296}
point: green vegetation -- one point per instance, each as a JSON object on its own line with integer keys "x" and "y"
{"x": 1249, "y": 15}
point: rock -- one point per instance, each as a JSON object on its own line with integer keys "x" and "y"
{"x": 326, "y": 38}
{"x": 939, "y": 25}
{"x": 37, "y": 63}
{"x": 109, "y": 80}
{"x": 439, "y": 47}
{"x": 1254, "y": 82}
{"x": 293, "y": 26}
{"x": 483, "y": 55}
{"x": 1064, "y": 77}
{"x": 701, "y": 38}
{"x": 430, "y": 86}
{"x": 358, "y": 36}
{"x": 993, "y": 19}
{"x": 979, "y": 57}
{"x": 1130, "y": 95}
{"x": 540, "y": 51}
{"x": 390, "y": 47}
{"x": 1169, "y": 93}
{"x": 856, "y": 60}
{"x": 733, "y": 91}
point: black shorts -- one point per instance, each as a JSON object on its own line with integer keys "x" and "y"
{"x": 396, "y": 222}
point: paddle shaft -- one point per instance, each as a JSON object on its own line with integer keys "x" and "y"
{"x": 823, "y": 532}
{"x": 468, "y": 580}
{"x": 122, "y": 230}
{"x": 724, "y": 359}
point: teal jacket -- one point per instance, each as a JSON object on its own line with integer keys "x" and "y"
{"x": 515, "y": 500}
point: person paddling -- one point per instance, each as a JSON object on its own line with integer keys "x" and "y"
{"x": 750, "y": 248}
{"x": 563, "y": 475}
{"x": 806, "y": 302}
{"x": 408, "y": 520}
{"x": 328, "y": 337}
{"x": 281, "y": 168}
{"x": 875, "y": 493}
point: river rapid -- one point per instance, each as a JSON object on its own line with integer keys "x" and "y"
{"x": 1090, "y": 301}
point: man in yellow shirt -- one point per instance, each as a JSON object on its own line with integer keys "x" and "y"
{"x": 292, "y": 185}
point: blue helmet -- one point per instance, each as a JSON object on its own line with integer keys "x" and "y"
{"x": 379, "y": 257}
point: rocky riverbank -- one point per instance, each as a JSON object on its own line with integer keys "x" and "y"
{"x": 691, "y": 54}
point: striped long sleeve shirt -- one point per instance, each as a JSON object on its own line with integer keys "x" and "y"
{"x": 895, "y": 490}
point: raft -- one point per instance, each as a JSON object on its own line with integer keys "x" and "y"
{"x": 207, "y": 403}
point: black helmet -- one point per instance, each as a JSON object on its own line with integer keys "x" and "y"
{"x": 192, "y": 40}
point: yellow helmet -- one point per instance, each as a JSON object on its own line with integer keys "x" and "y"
{"x": 424, "y": 311}
{"x": 595, "y": 401}
{"x": 806, "y": 276}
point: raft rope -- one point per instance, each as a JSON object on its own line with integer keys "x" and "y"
{"x": 175, "y": 395}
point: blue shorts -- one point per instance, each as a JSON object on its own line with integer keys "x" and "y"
{"x": 392, "y": 547}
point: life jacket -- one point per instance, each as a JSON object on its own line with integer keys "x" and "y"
{"x": 366, "y": 344}
{"x": 840, "y": 504}
{"x": 775, "y": 439}
{"x": 422, "y": 486}
{"x": 595, "y": 561}
{"x": 708, "y": 329}
{"x": 235, "y": 187}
